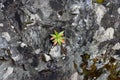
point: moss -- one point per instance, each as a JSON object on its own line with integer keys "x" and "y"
{"x": 28, "y": 22}
{"x": 85, "y": 57}
{"x": 93, "y": 72}
{"x": 114, "y": 74}
{"x": 112, "y": 60}
{"x": 113, "y": 77}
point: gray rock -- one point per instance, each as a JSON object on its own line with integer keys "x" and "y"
{"x": 92, "y": 37}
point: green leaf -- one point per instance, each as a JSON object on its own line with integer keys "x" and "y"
{"x": 53, "y": 35}
{"x": 59, "y": 42}
{"x": 61, "y": 33}
{"x": 56, "y": 33}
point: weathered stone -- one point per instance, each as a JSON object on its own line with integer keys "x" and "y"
{"x": 92, "y": 37}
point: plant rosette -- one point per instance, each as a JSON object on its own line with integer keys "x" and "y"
{"x": 57, "y": 38}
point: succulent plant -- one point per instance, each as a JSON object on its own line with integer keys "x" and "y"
{"x": 57, "y": 38}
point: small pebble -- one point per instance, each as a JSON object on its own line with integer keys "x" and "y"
{"x": 118, "y": 10}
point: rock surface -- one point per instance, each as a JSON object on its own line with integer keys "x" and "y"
{"x": 92, "y": 40}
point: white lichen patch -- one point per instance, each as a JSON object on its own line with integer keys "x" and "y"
{"x": 104, "y": 35}
{"x": 23, "y": 45}
{"x": 44, "y": 6}
{"x": 12, "y": 27}
{"x": 118, "y": 10}
{"x": 6, "y": 36}
{"x": 1, "y": 5}
{"x": 37, "y": 51}
{"x": 100, "y": 10}
{"x": 93, "y": 48}
{"x": 1, "y": 24}
{"x": 33, "y": 18}
{"x": 116, "y": 46}
{"x": 75, "y": 8}
{"x": 55, "y": 52}
{"x": 9, "y": 71}
{"x": 109, "y": 33}
{"x": 16, "y": 58}
{"x": 74, "y": 76}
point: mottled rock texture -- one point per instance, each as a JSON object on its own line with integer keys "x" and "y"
{"x": 92, "y": 40}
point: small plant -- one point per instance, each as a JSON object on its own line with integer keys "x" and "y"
{"x": 57, "y": 38}
{"x": 100, "y": 1}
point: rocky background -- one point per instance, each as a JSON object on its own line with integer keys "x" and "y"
{"x": 92, "y": 40}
